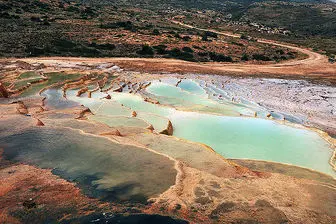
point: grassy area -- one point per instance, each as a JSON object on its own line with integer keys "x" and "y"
{"x": 27, "y": 75}
{"x": 22, "y": 83}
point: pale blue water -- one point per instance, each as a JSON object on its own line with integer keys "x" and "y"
{"x": 232, "y": 137}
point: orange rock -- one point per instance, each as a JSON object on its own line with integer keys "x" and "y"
{"x": 39, "y": 123}
{"x": 117, "y": 133}
{"x": 150, "y": 127}
{"x": 3, "y": 91}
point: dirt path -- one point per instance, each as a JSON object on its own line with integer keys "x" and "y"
{"x": 312, "y": 56}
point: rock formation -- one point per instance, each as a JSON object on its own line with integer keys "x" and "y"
{"x": 3, "y": 91}
{"x": 169, "y": 130}
{"x": 134, "y": 114}
{"x": 108, "y": 97}
{"x": 150, "y": 127}
{"x": 82, "y": 90}
{"x": 21, "y": 108}
{"x": 39, "y": 123}
{"x": 83, "y": 112}
{"x": 119, "y": 89}
{"x": 149, "y": 100}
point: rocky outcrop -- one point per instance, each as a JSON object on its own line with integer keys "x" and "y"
{"x": 3, "y": 91}
{"x": 150, "y": 127}
{"x": 21, "y": 108}
{"x": 108, "y": 97}
{"x": 119, "y": 89}
{"x": 102, "y": 82}
{"x": 39, "y": 123}
{"x": 82, "y": 90}
{"x": 149, "y": 100}
{"x": 116, "y": 132}
{"x": 169, "y": 130}
{"x": 134, "y": 114}
{"x": 83, "y": 112}
{"x": 144, "y": 86}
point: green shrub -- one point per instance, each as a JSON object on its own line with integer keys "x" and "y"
{"x": 146, "y": 50}
{"x": 260, "y": 57}
{"x": 161, "y": 49}
{"x": 219, "y": 57}
{"x": 156, "y": 32}
{"x": 245, "y": 57}
{"x": 187, "y": 49}
{"x": 177, "y": 53}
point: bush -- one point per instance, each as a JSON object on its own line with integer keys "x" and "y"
{"x": 35, "y": 19}
{"x": 161, "y": 49}
{"x": 197, "y": 47}
{"x": 127, "y": 25}
{"x": 146, "y": 50}
{"x": 244, "y": 57}
{"x": 244, "y": 37}
{"x": 177, "y": 53}
{"x": 156, "y": 32}
{"x": 187, "y": 49}
{"x": 207, "y": 34}
{"x": 261, "y": 57}
{"x": 103, "y": 46}
{"x": 203, "y": 54}
{"x": 211, "y": 34}
{"x": 186, "y": 38}
{"x": 219, "y": 57}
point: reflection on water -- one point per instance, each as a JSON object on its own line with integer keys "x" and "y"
{"x": 103, "y": 169}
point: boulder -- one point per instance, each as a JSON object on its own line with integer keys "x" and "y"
{"x": 134, "y": 114}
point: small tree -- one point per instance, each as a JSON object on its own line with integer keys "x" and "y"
{"x": 244, "y": 57}
{"x": 146, "y": 50}
{"x": 156, "y": 32}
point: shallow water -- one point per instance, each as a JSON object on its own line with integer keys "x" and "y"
{"x": 230, "y": 136}
{"x": 102, "y": 168}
